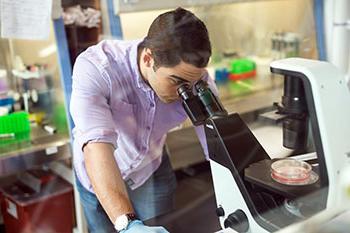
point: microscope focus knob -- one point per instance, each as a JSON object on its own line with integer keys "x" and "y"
{"x": 238, "y": 221}
{"x": 220, "y": 212}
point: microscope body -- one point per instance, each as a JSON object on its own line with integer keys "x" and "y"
{"x": 248, "y": 200}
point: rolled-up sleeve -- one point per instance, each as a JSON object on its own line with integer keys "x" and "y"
{"x": 200, "y": 129}
{"x": 89, "y": 106}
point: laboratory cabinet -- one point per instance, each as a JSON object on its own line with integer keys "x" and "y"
{"x": 38, "y": 202}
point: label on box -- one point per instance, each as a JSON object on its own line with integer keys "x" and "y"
{"x": 51, "y": 150}
{"x": 12, "y": 208}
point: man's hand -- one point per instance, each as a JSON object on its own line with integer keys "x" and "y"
{"x": 137, "y": 226}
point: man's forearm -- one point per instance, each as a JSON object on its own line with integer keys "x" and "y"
{"x": 106, "y": 179}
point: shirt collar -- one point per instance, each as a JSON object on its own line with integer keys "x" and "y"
{"x": 140, "y": 82}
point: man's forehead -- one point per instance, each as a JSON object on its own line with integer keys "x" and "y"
{"x": 194, "y": 73}
{"x": 189, "y": 73}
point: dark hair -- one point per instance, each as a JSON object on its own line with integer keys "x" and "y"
{"x": 177, "y": 36}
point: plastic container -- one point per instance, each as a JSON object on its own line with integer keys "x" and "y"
{"x": 16, "y": 125}
{"x": 291, "y": 172}
{"x": 17, "y": 122}
{"x": 243, "y": 65}
{"x": 242, "y": 75}
{"x": 221, "y": 75}
{"x": 242, "y": 68}
{"x": 6, "y": 101}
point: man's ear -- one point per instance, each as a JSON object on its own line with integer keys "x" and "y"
{"x": 147, "y": 58}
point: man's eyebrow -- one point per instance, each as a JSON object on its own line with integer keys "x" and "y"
{"x": 179, "y": 78}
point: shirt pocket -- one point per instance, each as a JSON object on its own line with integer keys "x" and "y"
{"x": 127, "y": 129}
{"x": 125, "y": 119}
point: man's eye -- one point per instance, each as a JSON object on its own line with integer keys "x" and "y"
{"x": 175, "y": 81}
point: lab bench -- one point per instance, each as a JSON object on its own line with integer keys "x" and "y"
{"x": 42, "y": 148}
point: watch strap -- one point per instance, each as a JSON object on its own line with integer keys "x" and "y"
{"x": 131, "y": 216}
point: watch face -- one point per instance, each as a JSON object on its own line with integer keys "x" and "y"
{"x": 121, "y": 222}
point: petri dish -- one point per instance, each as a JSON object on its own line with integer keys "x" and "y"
{"x": 293, "y": 172}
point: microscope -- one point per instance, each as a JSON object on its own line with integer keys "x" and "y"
{"x": 315, "y": 114}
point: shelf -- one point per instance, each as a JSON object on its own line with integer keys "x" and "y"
{"x": 42, "y": 148}
{"x": 127, "y": 6}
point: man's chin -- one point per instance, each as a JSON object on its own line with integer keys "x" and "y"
{"x": 168, "y": 100}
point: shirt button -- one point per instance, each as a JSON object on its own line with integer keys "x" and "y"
{"x": 143, "y": 148}
{"x": 152, "y": 105}
{"x": 148, "y": 128}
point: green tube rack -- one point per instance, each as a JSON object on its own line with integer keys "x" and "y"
{"x": 14, "y": 127}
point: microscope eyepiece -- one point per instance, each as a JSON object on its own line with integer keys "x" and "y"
{"x": 191, "y": 104}
{"x": 184, "y": 91}
{"x": 211, "y": 103}
{"x": 201, "y": 105}
{"x": 201, "y": 86}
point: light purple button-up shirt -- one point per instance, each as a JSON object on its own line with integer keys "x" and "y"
{"x": 111, "y": 103}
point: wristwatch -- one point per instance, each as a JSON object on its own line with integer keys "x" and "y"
{"x": 122, "y": 222}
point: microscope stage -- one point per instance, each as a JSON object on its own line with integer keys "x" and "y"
{"x": 260, "y": 174}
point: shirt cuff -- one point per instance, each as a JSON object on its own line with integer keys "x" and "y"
{"x": 95, "y": 135}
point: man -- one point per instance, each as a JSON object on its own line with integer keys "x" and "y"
{"x": 124, "y": 101}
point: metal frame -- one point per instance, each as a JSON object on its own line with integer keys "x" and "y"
{"x": 319, "y": 25}
{"x": 114, "y": 21}
{"x": 66, "y": 81}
